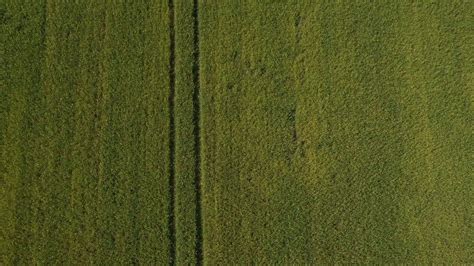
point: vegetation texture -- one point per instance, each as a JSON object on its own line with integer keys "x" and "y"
{"x": 236, "y": 132}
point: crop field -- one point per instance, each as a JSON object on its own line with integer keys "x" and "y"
{"x": 236, "y": 132}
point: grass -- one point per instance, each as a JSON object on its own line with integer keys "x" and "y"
{"x": 236, "y": 132}
{"x": 87, "y": 137}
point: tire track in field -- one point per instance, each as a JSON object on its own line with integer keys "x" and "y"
{"x": 197, "y": 132}
{"x": 172, "y": 134}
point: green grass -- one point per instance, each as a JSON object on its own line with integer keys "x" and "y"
{"x": 86, "y": 136}
{"x": 341, "y": 132}
{"x": 236, "y": 132}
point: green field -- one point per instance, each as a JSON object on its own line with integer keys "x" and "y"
{"x": 232, "y": 132}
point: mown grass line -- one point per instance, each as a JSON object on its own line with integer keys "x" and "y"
{"x": 37, "y": 151}
{"x": 185, "y": 193}
{"x": 197, "y": 133}
{"x": 172, "y": 133}
{"x": 154, "y": 190}
{"x": 61, "y": 76}
{"x": 86, "y": 142}
{"x": 23, "y": 28}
